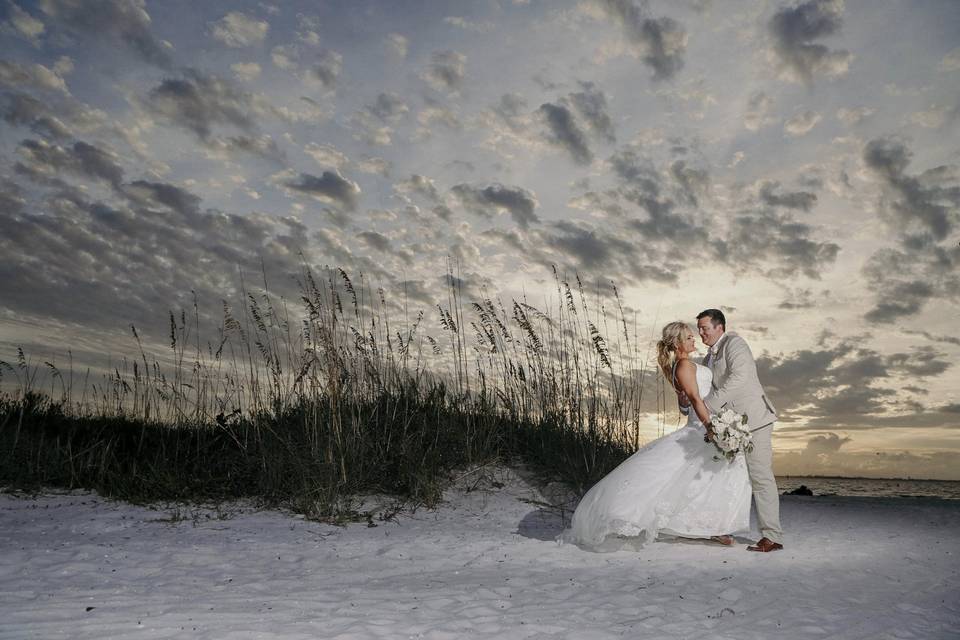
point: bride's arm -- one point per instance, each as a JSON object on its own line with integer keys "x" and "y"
{"x": 687, "y": 380}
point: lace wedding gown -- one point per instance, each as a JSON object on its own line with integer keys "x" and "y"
{"x": 671, "y": 486}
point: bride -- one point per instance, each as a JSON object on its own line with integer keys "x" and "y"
{"x": 673, "y": 485}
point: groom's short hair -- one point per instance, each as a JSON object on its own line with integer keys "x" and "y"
{"x": 716, "y": 317}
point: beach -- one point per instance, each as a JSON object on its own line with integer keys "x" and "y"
{"x": 484, "y": 564}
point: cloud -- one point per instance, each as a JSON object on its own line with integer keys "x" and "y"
{"x": 326, "y": 70}
{"x": 376, "y": 241}
{"x": 660, "y": 42}
{"x": 852, "y": 117}
{"x": 25, "y": 24}
{"x": 125, "y": 21}
{"x": 467, "y": 25}
{"x": 330, "y": 187}
{"x": 239, "y": 30}
{"x": 935, "y": 116}
{"x": 825, "y": 443}
{"x": 758, "y": 108}
{"x": 18, "y": 76}
{"x": 845, "y": 384}
{"x": 922, "y": 209}
{"x": 149, "y": 250}
{"x": 40, "y": 159}
{"x": 398, "y": 45}
{"x": 201, "y": 104}
{"x": 373, "y": 122}
{"x": 591, "y": 104}
{"x": 22, "y": 110}
{"x": 775, "y": 244}
{"x": 326, "y": 155}
{"x": 446, "y": 70}
{"x": 932, "y": 337}
{"x": 247, "y": 71}
{"x": 951, "y": 61}
{"x": 803, "y": 200}
{"x": 423, "y": 186}
{"x": 497, "y": 198}
{"x": 565, "y": 133}
{"x": 797, "y": 299}
{"x": 389, "y": 106}
{"x": 795, "y": 29}
{"x": 801, "y": 124}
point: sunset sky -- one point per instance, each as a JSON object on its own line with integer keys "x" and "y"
{"x": 795, "y": 164}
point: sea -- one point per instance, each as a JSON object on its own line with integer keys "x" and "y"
{"x": 873, "y": 487}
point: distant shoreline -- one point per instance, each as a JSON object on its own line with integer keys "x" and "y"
{"x": 865, "y": 478}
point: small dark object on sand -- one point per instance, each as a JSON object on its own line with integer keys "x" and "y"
{"x": 802, "y": 490}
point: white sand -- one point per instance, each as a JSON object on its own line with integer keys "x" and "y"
{"x": 484, "y": 565}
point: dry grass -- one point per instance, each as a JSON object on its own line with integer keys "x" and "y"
{"x": 341, "y": 400}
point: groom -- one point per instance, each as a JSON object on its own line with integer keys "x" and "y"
{"x": 736, "y": 386}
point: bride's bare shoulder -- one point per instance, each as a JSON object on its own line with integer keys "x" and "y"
{"x": 686, "y": 366}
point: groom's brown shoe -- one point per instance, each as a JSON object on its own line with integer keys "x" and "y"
{"x": 765, "y": 545}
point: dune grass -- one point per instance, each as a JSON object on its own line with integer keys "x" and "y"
{"x": 341, "y": 401}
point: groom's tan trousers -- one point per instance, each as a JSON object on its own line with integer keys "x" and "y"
{"x": 765, "y": 493}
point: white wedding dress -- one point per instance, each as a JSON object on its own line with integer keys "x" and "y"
{"x": 671, "y": 486}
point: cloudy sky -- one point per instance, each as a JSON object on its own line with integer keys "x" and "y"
{"x": 795, "y": 164}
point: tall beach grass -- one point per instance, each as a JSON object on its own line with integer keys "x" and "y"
{"x": 346, "y": 393}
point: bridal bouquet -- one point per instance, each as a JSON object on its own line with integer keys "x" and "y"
{"x": 731, "y": 435}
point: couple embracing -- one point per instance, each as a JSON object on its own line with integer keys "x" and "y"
{"x": 678, "y": 485}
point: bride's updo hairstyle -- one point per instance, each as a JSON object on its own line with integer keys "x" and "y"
{"x": 673, "y": 335}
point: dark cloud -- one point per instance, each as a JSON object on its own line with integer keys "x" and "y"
{"x": 327, "y": 68}
{"x": 199, "y": 102}
{"x": 23, "y": 110}
{"x": 43, "y": 159}
{"x": 446, "y": 70}
{"x": 692, "y": 183}
{"x": 329, "y": 187}
{"x": 12, "y": 197}
{"x": 826, "y": 443}
{"x": 375, "y": 240}
{"x": 775, "y": 244}
{"x": 922, "y": 210}
{"x": 598, "y": 253}
{"x": 511, "y": 109}
{"x": 174, "y": 198}
{"x": 389, "y": 106}
{"x": 934, "y": 338}
{"x": 797, "y": 299}
{"x": 803, "y": 200}
{"x": 125, "y": 21}
{"x": 843, "y": 383}
{"x": 591, "y": 104}
{"x": 794, "y": 30}
{"x": 661, "y": 42}
{"x": 496, "y": 198}
{"x": 565, "y": 132}
{"x": 923, "y": 204}
{"x": 746, "y": 238}
{"x": 105, "y": 267}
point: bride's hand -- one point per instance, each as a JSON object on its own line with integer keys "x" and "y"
{"x": 709, "y": 436}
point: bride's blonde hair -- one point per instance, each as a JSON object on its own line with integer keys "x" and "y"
{"x": 673, "y": 336}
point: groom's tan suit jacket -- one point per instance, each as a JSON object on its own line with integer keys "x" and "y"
{"x": 736, "y": 385}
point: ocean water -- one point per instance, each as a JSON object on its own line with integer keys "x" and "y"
{"x": 874, "y": 487}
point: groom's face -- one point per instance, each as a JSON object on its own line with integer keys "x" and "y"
{"x": 708, "y": 331}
